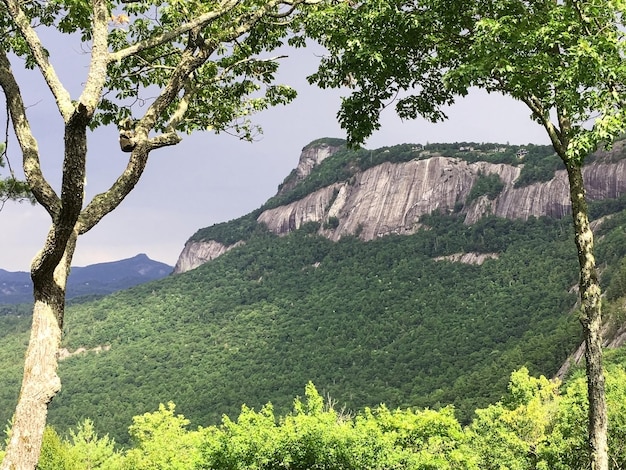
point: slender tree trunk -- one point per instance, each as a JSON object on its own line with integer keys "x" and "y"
{"x": 40, "y": 382}
{"x": 591, "y": 320}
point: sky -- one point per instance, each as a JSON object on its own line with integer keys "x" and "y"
{"x": 209, "y": 178}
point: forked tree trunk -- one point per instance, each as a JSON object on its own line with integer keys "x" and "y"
{"x": 591, "y": 320}
{"x": 40, "y": 382}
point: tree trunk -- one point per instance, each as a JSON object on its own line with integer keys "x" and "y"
{"x": 591, "y": 320}
{"x": 40, "y": 382}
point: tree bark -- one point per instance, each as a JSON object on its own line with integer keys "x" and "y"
{"x": 591, "y": 320}
{"x": 40, "y": 381}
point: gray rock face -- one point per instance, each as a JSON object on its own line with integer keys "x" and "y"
{"x": 310, "y": 157}
{"x": 468, "y": 258}
{"x": 391, "y": 198}
{"x": 197, "y": 253}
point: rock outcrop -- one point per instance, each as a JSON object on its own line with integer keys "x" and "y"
{"x": 196, "y": 253}
{"x": 468, "y": 258}
{"x": 391, "y": 198}
{"x": 311, "y": 156}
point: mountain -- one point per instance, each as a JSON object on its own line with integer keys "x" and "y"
{"x": 437, "y": 310}
{"x": 410, "y": 181}
{"x": 96, "y": 279}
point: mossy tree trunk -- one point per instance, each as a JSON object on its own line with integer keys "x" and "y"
{"x": 591, "y": 320}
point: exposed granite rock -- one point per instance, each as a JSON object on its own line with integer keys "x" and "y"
{"x": 197, "y": 253}
{"x": 614, "y": 337}
{"x": 468, "y": 258}
{"x": 311, "y": 156}
{"x": 64, "y": 353}
{"x": 391, "y": 198}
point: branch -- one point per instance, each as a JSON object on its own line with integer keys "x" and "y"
{"x": 556, "y": 135}
{"x": 168, "y": 36}
{"x": 106, "y": 202}
{"x": 61, "y": 95}
{"x": 43, "y": 192}
{"x": 246, "y": 24}
{"x": 97, "y": 75}
{"x": 192, "y": 58}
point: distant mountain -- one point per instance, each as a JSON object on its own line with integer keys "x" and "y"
{"x": 95, "y": 279}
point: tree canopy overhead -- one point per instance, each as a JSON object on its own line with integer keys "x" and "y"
{"x": 563, "y": 59}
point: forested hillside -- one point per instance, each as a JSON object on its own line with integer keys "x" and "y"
{"x": 368, "y": 323}
{"x": 394, "y": 320}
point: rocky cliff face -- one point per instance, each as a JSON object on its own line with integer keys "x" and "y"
{"x": 311, "y": 156}
{"x": 391, "y": 197}
{"x": 197, "y": 253}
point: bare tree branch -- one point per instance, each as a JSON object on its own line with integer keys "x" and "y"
{"x": 61, "y": 95}
{"x": 96, "y": 77}
{"x": 43, "y": 192}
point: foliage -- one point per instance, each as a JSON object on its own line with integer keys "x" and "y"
{"x": 162, "y": 442}
{"x": 54, "y": 454}
{"x": 598, "y": 209}
{"x": 537, "y": 425}
{"x": 512, "y": 433}
{"x": 314, "y": 436}
{"x": 563, "y": 60}
{"x": 369, "y": 322}
{"x": 489, "y": 185}
{"x": 538, "y": 169}
{"x": 10, "y": 187}
{"x": 330, "y": 141}
{"x": 438, "y": 50}
{"x": 154, "y": 70}
{"x": 229, "y": 233}
{"x": 388, "y": 323}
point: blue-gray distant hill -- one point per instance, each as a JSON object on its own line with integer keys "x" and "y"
{"x": 96, "y": 279}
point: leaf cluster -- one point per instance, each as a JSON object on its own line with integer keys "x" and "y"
{"x": 564, "y": 58}
{"x": 232, "y": 79}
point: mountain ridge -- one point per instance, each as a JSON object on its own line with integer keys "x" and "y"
{"x": 95, "y": 279}
{"x": 391, "y": 197}
{"x": 405, "y": 320}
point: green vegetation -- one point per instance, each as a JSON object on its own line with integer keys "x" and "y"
{"x": 331, "y": 141}
{"x": 536, "y": 424}
{"x": 485, "y": 185}
{"x": 539, "y": 166}
{"x": 369, "y": 323}
{"x": 229, "y": 233}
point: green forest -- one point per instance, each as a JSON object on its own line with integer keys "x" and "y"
{"x": 412, "y": 354}
{"x": 537, "y": 424}
{"x": 368, "y": 323}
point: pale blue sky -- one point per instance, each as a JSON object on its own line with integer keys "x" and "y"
{"x": 214, "y": 178}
